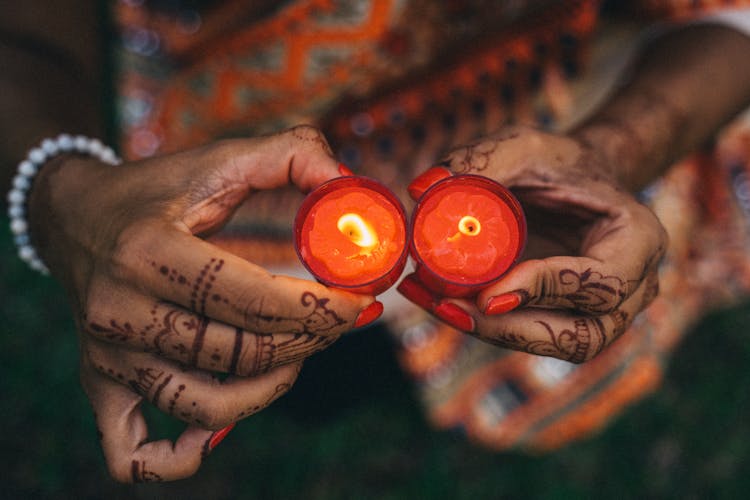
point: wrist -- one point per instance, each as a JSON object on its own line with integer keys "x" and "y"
{"x": 633, "y": 136}
{"x": 34, "y": 195}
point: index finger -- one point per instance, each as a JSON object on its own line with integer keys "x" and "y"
{"x": 188, "y": 271}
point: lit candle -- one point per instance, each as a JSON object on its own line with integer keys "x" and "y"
{"x": 468, "y": 230}
{"x": 350, "y": 233}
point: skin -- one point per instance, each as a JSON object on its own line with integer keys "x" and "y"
{"x": 138, "y": 273}
{"x": 591, "y": 259}
{"x": 159, "y": 309}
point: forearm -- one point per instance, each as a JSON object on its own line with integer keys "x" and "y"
{"x": 684, "y": 87}
{"x": 51, "y": 76}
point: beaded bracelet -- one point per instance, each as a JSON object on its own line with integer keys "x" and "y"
{"x": 28, "y": 168}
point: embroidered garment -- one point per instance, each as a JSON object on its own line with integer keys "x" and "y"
{"x": 393, "y": 84}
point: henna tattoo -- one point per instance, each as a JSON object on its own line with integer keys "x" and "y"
{"x": 175, "y": 397}
{"x": 621, "y": 321}
{"x": 474, "y": 158}
{"x": 269, "y": 353}
{"x": 200, "y": 288}
{"x": 200, "y": 334}
{"x": 145, "y": 379}
{"x": 572, "y": 345}
{"x": 114, "y": 332}
{"x": 319, "y": 318}
{"x": 203, "y": 284}
{"x": 593, "y": 292}
{"x": 311, "y": 134}
{"x": 584, "y": 340}
{"x": 236, "y": 350}
{"x": 140, "y": 474}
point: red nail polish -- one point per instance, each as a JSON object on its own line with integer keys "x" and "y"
{"x": 416, "y": 293}
{"x": 455, "y": 316}
{"x": 369, "y": 314}
{"x": 218, "y": 436}
{"x": 344, "y": 170}
{"x": 427, "y": 179}
{"x": 502, "y": 304}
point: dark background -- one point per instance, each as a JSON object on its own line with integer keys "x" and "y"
{"x": 352, "y": 428}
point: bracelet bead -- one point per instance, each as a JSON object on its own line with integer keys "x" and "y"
{"x": 22, "y": 183}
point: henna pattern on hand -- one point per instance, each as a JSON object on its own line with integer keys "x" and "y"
{"x": 268, "y": 353}
{"x": 594, "y": 293}
{"x": 319, "y": 318}
{"x": 140, "y": 474}
{"x": 201, "y": 288}
{"x": 308, "y": 133}
{"x": 474, "y": 158}
{"x": 574, "y": 345}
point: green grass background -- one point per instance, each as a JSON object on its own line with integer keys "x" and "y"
{"x": 351, "y": 427}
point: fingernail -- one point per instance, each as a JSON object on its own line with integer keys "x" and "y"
{"x": 369, "y": 314}
{"x": 416, "y": 293}
{"x": 455, "y": 316}
{"x": 218, "y": 436}
{"x": 502, "y": 304}
{"x": 344, "y": 170}
{"x": 427, "y": 179}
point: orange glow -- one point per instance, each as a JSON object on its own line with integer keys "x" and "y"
{"x": 359, "y": 231}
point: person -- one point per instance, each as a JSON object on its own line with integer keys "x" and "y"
{"x": 163, "y": 256}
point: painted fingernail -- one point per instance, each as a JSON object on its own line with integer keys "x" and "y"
{"x": 369, "y": 314}
{"x": 455, "y": 316}
{"x": 412, "y": 290}
{"x": 344, "y": 170}
{"x": 427, "y": 179}
{"x": 218, "y": 436}
{"x": 500, "y": 304}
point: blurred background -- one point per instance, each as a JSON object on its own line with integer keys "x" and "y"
{"x": 352, "y": 427}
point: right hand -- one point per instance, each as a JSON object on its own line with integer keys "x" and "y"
{"x": 590, "y": 265}
{"x": 158, "y": 309}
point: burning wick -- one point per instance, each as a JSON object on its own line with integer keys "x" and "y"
{"x": 468, "y": 226}
{"x": 359, "y": 232}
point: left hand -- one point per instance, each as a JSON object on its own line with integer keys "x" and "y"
{"x": 590, "y": 263}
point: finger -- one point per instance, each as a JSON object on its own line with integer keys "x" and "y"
{"x": 185, "y": 270}
{"x": 193, "y": 396}
{"x": 560, "y": 334}
{"x": 617, "y": 254}
{"x": 196, "y": 341}
{"x": 300, "y": 156}
{"x": 124, "y": 434}
{"x": 210, "y": 182}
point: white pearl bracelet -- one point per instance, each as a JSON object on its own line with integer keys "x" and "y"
{"x": 28, "y": 168}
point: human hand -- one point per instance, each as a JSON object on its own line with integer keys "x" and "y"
{"x": 159, "y": 309}
{"x": 590, "y": 264}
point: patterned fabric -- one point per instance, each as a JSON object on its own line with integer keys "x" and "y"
{"x": 393, "y": 83}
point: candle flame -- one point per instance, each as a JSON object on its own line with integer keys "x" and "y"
{"x": 358, "y": 230}
{"x": 468, "y": 226}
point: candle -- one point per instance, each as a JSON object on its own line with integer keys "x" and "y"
{"x": 350, "y": 233}
{"x": 468, "y": 230}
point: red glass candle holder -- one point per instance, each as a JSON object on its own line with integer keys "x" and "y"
{"x": 467, "y": 231}
{"x": 350, "y": 233}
